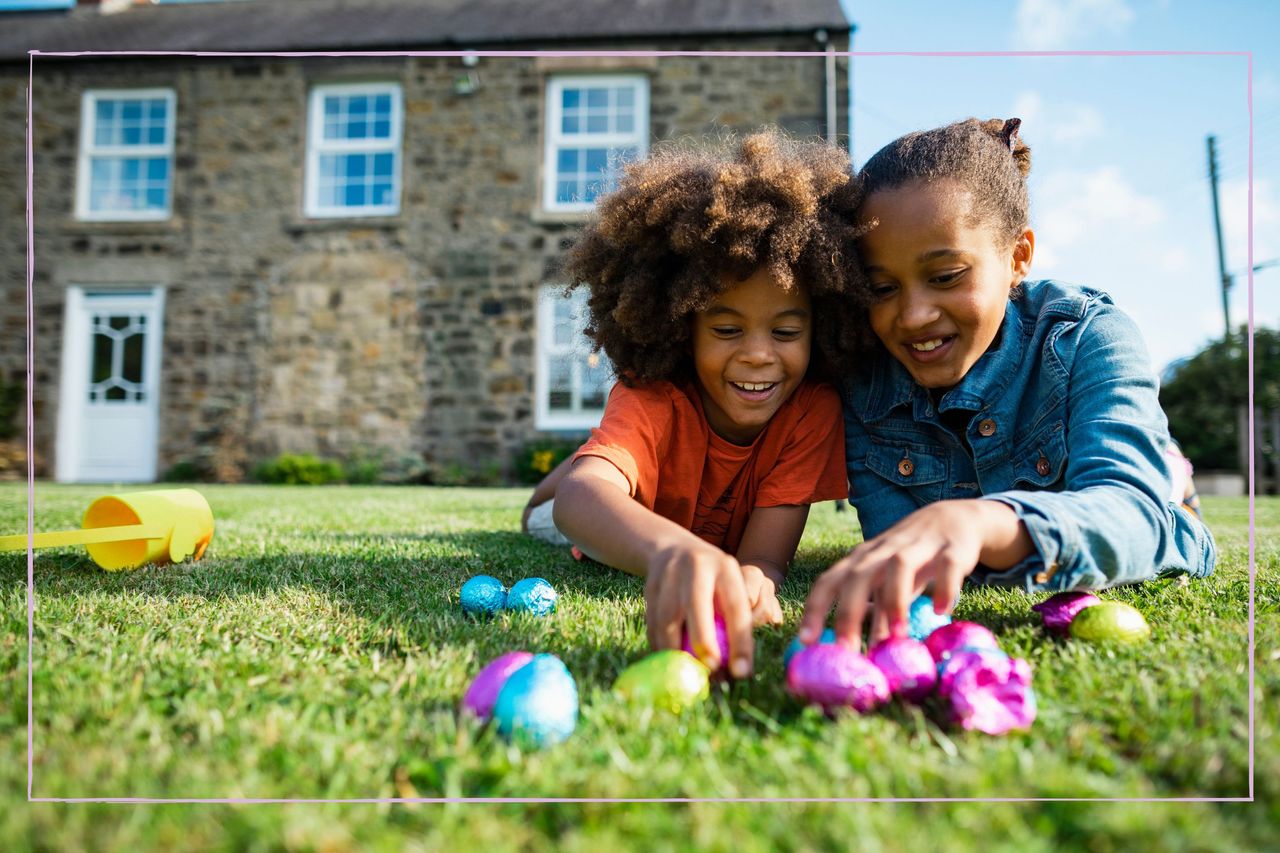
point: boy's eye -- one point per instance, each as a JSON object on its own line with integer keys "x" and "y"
{"x": 724, "y": 331}
{"x": 787, "y": 334}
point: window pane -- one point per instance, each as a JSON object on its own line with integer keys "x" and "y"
{"x": 567, "y": 191}
{"x": 355, "y": 165}
{"x": 567, "y": 160}
{"x": 626, "y": 96}
{"x": 131, "y": 369}
{"x": 626, "y": 124}
{"x": 101, "y": 367}
{"x": 332, "y": 106}
{"x": 115, "y": 392}
{"x": 382, "y": 129}
{"x": 156, "y": 109}
{"x": 158, "y": 169}
{"x": 597, "y": 123}
{"x": 328, "y": 166}
{"x": 131, "y": 134}
{"x": 382, "y": 194}
{"x": 597, "y": 97}
{"x": 355, "y": 195}
{"x": 570, "y": 98}
{"x": 597, "y": 160}
{"x": 570, "y": 124}
{"x": 383, "y": 165}
{"x": 382, "y": 106}
{"x": 155, "y": 199}
{"x": 560, "y": 384}
{"x": 130, "y": 169}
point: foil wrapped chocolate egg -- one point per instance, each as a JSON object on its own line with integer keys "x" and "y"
{"x": 987, "y": 691}
{"x": 482, "y": 595}
{"x": 483, "y": 692}
{"x": 795, "y": 646}
{"x": 1110, "y": 621}
{"x": 959, "y": 635}
{"x": 722, "y": 643}
{"x": 538, "y": 704}
{"x": 907, "y": 666}
{"x": 670, "y": 680}
{"x": 1058, "y": 610}
{"x": 532, "y": 595}
{"x": 922, "y": 621}
{"x": 835, "y": 676}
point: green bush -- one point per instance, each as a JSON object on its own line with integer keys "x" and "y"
{"x": 537, "y": 458}
{"x": 293, "y": 469}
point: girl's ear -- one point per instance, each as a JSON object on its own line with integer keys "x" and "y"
{"x": 1024, "y": 247}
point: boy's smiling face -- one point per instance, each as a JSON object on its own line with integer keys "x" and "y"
{"x": 939, "y": 280}
{"x": 750, "y": 352}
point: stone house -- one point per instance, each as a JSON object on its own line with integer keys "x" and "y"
{"x": 239, "y": 256}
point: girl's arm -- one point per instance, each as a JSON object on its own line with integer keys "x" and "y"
{"x": 685, "y": 577}
{"x": 768, "y": 545}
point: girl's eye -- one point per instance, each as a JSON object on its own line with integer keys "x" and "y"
{"x": 883, "y": 291}
{"x": 786, "y": 334}
{"x": 947, "y": 277}
{"x": 724, "y": 331}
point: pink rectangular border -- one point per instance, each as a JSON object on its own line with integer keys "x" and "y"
{"x": 32, "y": 54}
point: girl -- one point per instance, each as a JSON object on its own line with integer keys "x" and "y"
{"x": 712, "y": 279}
{"x": 1008, "y": 431}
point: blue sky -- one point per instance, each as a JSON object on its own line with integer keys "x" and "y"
{"x": 1119, "y": 182}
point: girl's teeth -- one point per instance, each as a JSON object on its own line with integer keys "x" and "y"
{"x": 754, "y": 386}
{"x": 927, "y": 345}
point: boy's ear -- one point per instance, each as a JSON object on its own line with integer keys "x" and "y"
{"x": 1024, "y": 248}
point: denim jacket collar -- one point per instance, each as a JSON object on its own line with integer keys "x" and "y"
{"x": 891, "y": 386}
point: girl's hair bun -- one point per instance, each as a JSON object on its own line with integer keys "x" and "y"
{"x": 1006, "y": 130}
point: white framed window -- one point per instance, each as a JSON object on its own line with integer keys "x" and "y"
{"x": 353, "y": 150}
{"x": 571, "y": 382}
{"x": 595, "y": 124}
{"x": 125, "y": 168}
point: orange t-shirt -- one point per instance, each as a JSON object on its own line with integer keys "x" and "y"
{"x": 659, "y": 438}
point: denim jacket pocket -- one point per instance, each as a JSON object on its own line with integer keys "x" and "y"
{"x": 921, "y": 473}
{"x": 1040, "y": 461}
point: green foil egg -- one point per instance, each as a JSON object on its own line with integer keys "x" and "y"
{"x": 669, "y": 680}
{"x": 1110, "y": 621}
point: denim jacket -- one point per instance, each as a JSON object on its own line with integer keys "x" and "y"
{"x": 1060, "y": 421}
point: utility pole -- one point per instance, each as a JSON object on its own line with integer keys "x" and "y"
{"x": 1217, "y": 227}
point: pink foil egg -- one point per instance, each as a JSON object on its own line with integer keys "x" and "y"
{"x": 988, "y": 692}
{"x": 483, "y": 692}
{"x": 1058, "y": 610}
{"x": 959, "y": 635}
{"x": 722, "y": 642}
{"x": 907, "y": 666}
{"x": 834, "y": 676}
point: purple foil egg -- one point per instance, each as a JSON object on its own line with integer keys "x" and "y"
{"x": 987, "y": 692}
{"x": 483, "y": 692}
{"x": 958, "y": 635}
{"x": 833, "y": 676}
{"x": 907, "y": 666}
{"x": 1058, "y": 610}
{"x": 722, "y": 642}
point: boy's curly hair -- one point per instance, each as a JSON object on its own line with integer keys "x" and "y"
{"x": 657, "y": 249}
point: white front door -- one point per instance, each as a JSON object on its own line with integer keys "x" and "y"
{"x": 109, "y": 409}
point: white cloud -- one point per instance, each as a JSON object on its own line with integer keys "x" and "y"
{"x": 1234, "y": 199}
{"x": 1056, "y": 24}
{"x": 1072, "y": 206}
{"x": 1061, "y": 123}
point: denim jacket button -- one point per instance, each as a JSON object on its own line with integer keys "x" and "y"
{"x": 906, "y": 467}
{"x": 987, "y": 428}
{"x": 1042, "y": 466}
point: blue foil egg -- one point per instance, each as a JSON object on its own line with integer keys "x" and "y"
{"x": 532, "y": 595}
{"x": 795, "y": 647}
{"x": 538, "y": 704}
{"x": 483, "y": 594}
{"x": 923, "y": 621}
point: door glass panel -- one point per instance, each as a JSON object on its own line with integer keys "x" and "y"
{"x": 103, "y": 345}
{"x": 132, "y": 366}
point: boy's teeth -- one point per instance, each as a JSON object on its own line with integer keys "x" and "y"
{"x": 754, "y": 386}
{"x": 927, "y": 345}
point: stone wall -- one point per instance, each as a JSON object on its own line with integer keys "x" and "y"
{"x": 412, "y": 333}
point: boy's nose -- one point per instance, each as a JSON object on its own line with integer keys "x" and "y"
{"x": 758, "y": 349}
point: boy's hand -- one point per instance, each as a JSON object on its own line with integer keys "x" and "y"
{"x": 762, "y": 595}
{"x": 684, "y": 586}
{"x": 938, "y": 545}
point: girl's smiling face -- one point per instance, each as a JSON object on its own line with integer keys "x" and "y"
{"x": 750, "y": 351}
{"x": 939, "y": 280}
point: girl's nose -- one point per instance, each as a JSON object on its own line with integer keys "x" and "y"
{"x": 758, "y": 349}
{"x": 916, "y": 309}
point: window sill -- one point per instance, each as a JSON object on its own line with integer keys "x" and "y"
{"x": 539, "y": 216}
{"x": 345, "y": 223}
{"x": 128, "y": 227}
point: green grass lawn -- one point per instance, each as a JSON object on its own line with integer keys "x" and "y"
{"x": 317, "y": 651}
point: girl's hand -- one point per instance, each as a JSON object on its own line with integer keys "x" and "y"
{"x": 762, "y": 596}
{"x": 937, "y": 546}
{"x": 684, "y": 586}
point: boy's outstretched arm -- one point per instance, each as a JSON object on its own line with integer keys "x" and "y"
{"x": 768, "y": 545}
{"x": 685, "y": 577}
{"x": 545, "y": 490}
